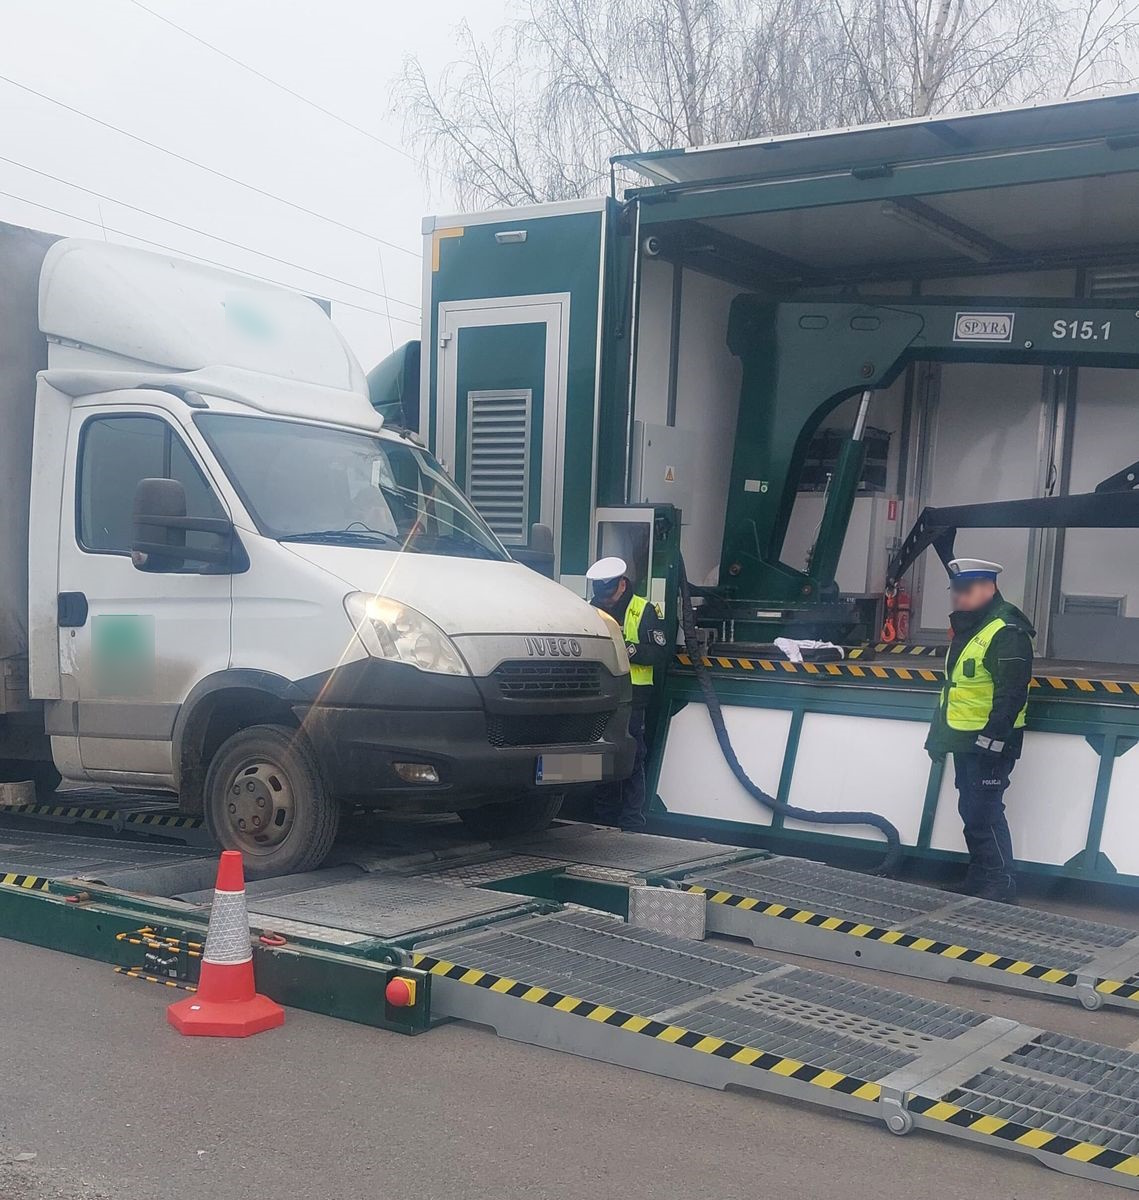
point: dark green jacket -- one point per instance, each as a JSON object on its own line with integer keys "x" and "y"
{"x": 1008, "y": 660}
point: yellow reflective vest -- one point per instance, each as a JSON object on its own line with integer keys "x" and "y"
{"x": 641, "y": 676}
{"x": 967, "y": 697}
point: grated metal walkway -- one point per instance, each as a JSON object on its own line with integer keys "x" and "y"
{"x": 807, "y": 908}
{"x": 590, "y": 985}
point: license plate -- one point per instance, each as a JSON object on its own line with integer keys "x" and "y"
{"x": 568, "y": 768}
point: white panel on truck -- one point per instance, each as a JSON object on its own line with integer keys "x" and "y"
{"x": 696, "y": 781}
{"x": 883, "y": 770}
{"x": 23, "y": 352}
{"x": 1049, "y": 800}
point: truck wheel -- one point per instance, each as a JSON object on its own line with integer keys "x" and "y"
{"x": 265, "y": 797}
{"x": 528, "y": 813}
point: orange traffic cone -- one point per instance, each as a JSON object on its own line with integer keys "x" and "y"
{"x": 226, "y": 1003}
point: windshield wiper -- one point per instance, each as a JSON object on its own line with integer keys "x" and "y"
{"x": 360, "y": 534}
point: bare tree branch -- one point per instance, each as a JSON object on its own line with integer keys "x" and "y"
{"x": 536, "y": 112}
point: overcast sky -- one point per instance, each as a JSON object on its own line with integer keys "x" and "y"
{"x": 114, "y": 61}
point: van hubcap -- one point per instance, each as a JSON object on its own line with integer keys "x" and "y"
{"x": 259, "y": 807}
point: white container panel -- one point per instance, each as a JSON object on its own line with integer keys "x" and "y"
{"x": 867, "y": 764}
{"x": 696, "y": 781}
{"x": 1049, "y": 800}
{"x": 1120, "y": 841}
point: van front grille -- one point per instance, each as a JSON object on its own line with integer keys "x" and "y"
{"x": 554, "y": 729}
{"x": 548, "y": 680}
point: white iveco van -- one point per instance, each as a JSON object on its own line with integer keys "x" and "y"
{"x": 243, "y": 590}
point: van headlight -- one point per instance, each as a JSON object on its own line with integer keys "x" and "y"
{"x": 398, "y": 632}
{"x": 616, "y": 633}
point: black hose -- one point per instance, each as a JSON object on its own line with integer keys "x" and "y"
{"x": 688, "y": 623}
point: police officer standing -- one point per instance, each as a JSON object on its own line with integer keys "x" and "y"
{"x": 980, "y": 718}
{"x": 622, "y": 802}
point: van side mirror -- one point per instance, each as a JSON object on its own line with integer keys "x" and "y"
{"x": 539, "y": 555}
{"x": 160, "y": 526}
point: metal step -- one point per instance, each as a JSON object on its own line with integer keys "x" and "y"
{"x": 590, "y": 985}
{"x": 807, "y": 908}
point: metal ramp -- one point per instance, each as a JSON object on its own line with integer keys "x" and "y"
{"x": 31, "y": 860}
{"x": 106, "y": 809}
{"x": 807, "y": 908}
{"x": 590, "y": 985}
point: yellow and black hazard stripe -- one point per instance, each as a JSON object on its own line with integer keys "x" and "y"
{"x": 870, "y": 672}
{"x": 781, "y": 666}
{"x": 943, "y": 1110}
{"x": 79, "y": 813}
{"x": 64, "y": 810}
{"x": 1121, "y": 989}
{"x": 30, "y": 883}
{"x": 165, "y": 820}
{"x": 1079, "y": 687}
{"x": 138, "y": 973}
{"x": 1023, "y": 1135}
{"x": 897, "y": 648}
{"x": 153, "y": 941}
{"x": 675, "y": 1035}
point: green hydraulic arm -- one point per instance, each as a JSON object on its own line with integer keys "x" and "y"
{"x": 801, "y": 359}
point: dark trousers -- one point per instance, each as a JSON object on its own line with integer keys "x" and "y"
{"x": 622, "y": 801}
{"x": 981, "y": 780}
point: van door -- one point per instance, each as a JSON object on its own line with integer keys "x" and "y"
{"x": 134, "y": 642}
{"x": 500, "y": 419}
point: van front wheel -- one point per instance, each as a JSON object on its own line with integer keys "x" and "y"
{"x": 265, "y": 797}
{"x": 529, "y": 813}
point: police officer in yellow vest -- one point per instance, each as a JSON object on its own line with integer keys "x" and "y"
{"x": 623, "y": 802}
{"x": 980, "y": 717}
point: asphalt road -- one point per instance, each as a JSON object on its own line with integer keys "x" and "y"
{"x": 115, "y": 1106}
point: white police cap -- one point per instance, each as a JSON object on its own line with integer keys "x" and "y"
{"x": 605, "y": 570}
{"x": 966, "y": 570}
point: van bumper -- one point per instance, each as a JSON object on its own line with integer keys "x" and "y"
{"x": 358, "y": 749}
{"x": 480, "y": 743}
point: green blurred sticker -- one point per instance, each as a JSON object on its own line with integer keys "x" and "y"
{"x": 123, "y": 655}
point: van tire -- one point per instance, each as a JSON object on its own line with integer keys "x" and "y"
{"x": 266, "y": 797}
{"x": 529, "y": 813}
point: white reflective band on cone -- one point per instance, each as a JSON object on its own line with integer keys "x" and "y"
{"x": 227, "y": 940}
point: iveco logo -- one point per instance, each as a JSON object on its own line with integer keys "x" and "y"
{"x": 553, "y": 647}
{"x": 983, "y": 327}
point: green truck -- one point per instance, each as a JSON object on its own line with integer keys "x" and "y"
{"x": 774, "y": 356}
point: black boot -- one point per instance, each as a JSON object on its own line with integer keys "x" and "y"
{"x": 1003, "y": 891}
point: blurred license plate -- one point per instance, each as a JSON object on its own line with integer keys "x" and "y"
{"x": 568, "y": 768}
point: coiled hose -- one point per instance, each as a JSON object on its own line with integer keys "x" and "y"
{"x": 893, "y": 855}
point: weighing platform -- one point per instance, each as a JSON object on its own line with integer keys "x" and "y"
{"x": 498, "y": 935}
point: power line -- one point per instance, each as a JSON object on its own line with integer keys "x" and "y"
{"x": 270, "y": 80}
{"x": 134, "y": 137}
{"x": 197, "y": 257}
{"x": 203, "y": 233}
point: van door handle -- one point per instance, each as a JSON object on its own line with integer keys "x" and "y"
{"x": 72, "y": 610}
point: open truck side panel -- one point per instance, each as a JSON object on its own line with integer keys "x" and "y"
{"x": 962, "y": 234}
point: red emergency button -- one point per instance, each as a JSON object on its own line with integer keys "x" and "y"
{"x": 400, "y": 992}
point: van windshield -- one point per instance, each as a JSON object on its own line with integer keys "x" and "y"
{"x": 309, "y": 483}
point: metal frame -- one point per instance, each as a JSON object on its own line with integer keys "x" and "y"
{"x": 1106, "y": 726}
{"x": 622, "y": 993}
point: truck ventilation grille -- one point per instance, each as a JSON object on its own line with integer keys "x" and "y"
{"x": 1114, "y": 283}
{"x": 498, "y": 460}
{"x": 558, "y": 729}
{"x": 548, "y": 680}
